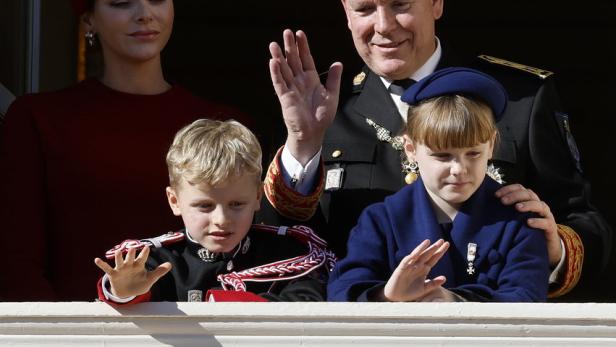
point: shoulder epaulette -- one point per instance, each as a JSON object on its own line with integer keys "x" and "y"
{"x": 156, "y": 242}
{"x": 359, "y": 78}
{"x": 358, "y": 81}
{"x": 543, "y": 74}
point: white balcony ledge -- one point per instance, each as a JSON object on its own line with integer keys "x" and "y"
{"x": 307, "y": 324}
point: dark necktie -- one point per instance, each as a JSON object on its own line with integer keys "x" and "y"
{"x": 446, "y": 228}
{"x": 399, "y": 86}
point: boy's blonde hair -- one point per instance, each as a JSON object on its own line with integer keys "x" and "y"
{"x": 212, "y": 152}
{"x": 450, "y": 121}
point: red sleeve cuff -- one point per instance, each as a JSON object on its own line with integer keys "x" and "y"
{"x": 138, "y": 299}
{"x": 573, "y": 261}
{"x": 287, "y": 201}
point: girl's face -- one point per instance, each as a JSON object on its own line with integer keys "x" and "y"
{"x": 451, "y": 175}
{"x": 131, "y": 31}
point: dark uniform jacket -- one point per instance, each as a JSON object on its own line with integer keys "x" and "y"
{"x": 194, "y": 269}
{"x": 510, "y": 261}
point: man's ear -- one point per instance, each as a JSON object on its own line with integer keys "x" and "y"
{"x": 172, "y": 198}
{"x": 437, "y": 8}
{"x": 346, "y": 12}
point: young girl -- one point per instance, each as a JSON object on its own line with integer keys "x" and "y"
{"x": 445, "y": 237}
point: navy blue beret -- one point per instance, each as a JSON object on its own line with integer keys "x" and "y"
{"x": 459, "y": 81}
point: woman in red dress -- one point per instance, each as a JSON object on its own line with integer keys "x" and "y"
{"x": 84, "y": 167}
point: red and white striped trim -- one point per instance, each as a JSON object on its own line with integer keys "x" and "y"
{"x": 287, "y": 269}
{"x": 165, "y": 239}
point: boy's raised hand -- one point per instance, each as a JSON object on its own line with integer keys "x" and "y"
{"x": 409, "y": 282}
{"x": 129, "y": 277}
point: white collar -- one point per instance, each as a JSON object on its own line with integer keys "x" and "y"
{"x": 427, "y": 68}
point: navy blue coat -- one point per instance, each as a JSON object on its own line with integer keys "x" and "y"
{"x": 511, "y": 262}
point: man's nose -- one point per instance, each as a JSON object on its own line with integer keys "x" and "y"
{"x": 385, "y": 20}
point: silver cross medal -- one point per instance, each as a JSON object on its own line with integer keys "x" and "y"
{"x": 470, "y": 257}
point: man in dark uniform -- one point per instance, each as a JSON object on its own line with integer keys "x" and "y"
{"x": 397, "y": 41}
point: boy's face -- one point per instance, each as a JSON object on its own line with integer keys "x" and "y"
{"x": 218, "y": 217}
{"x": 451, "y": 175}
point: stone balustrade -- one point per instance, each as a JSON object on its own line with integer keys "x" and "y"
{"x": 307, "y": 324}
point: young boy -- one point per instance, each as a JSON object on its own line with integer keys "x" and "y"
{"x": 445, "y": 237}
{"x": 214, "y": 172}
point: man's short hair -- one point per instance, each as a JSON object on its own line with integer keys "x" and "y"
{"x": 212, "y": 152}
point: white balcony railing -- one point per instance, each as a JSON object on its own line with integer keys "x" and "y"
{"x": 307, "y": 324}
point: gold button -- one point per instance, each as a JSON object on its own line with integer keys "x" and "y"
{"x": 336, "y": 153}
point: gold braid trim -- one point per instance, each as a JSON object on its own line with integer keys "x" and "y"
{"x": 574, "y": 260}
{"x": 287, "y": 201}
{"x": 541, "y": 73}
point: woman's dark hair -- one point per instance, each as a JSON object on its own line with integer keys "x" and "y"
{"x": 89, "y": 5}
